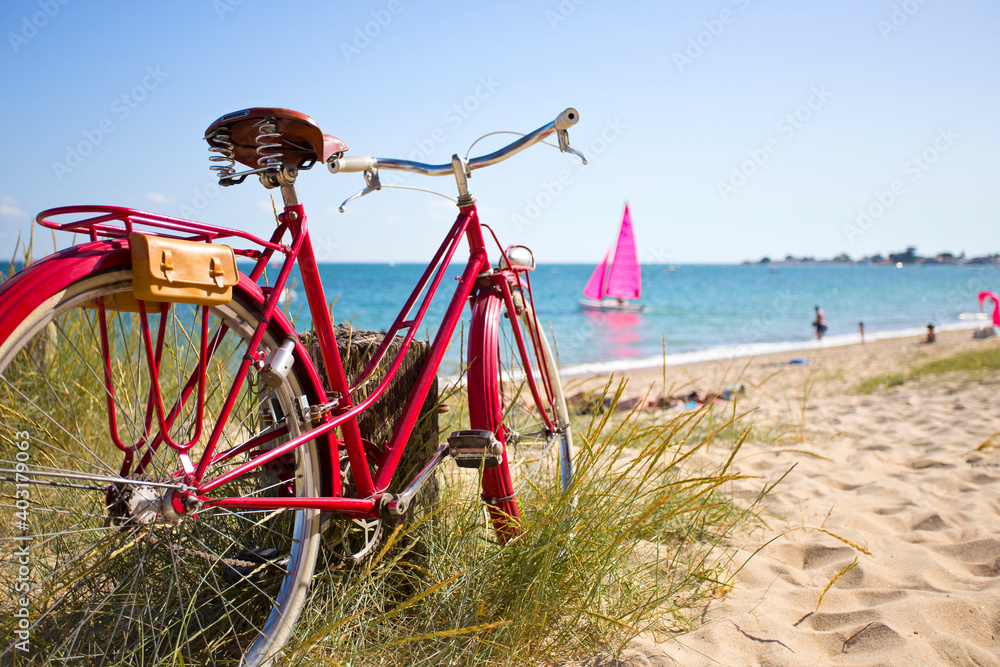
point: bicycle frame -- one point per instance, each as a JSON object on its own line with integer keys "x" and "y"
{"x": 371, "y": 491}
{"x": 222, "y": 422}
{"x": 476, "y": 274}
{"x": 333, "y": 411}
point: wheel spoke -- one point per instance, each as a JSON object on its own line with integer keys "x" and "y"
{"x": 114, "y": 581}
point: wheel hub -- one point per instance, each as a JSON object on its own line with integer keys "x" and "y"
{"x": 143, "y": 505}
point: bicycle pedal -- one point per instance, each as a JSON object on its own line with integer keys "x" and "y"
{"x": 474, "y": 449}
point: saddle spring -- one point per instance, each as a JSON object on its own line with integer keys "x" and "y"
{"x": 222, "y": 146}
{"x": 268, "y": 141}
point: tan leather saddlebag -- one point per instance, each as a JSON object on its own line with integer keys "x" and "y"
{"x": 165, "y": 269}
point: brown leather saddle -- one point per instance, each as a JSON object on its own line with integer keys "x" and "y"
{"x": 300, "y": 141}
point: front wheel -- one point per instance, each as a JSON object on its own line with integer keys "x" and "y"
{"x": 96, "y": 569}
{"x": 533, "y": 426}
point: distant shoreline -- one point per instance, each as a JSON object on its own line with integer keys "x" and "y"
{"x": 893, "y": 259}
{"x": 721, "y": 352}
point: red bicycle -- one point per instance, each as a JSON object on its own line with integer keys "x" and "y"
{"x": 171, "y": 460}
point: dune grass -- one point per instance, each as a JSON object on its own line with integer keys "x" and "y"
{"x": 632, "y": 546}
{"x": 638, "y": 541}
{"x": 972, "y": 363}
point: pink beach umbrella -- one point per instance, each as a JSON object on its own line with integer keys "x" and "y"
{"x": 996, "y": 305}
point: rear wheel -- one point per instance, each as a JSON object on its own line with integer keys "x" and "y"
{"x": 536, "y": 452}
{"x": 101, "y": 571}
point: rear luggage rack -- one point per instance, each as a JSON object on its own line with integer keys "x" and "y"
{"x": 117, "y": 222}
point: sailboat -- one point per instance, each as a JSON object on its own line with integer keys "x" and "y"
{"x": 618, "y": 277}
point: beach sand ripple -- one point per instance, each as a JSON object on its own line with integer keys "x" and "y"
{"x": 897, "y": 473}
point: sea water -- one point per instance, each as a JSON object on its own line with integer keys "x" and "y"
{"x": 693, "y": 312}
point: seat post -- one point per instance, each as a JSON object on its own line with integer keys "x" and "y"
{"x": 284, "y": 179}
{"x": 289, "y": 195}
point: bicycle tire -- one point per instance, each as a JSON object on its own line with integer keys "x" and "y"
{"x": 106, "y": 583}
{"x": 500, "y": 401}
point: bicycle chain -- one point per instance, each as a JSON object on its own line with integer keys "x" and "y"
{"x": 187, "y": 551}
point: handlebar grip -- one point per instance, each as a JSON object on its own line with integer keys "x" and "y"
{"x": 567, "y": 119}
{"x": 345, "y": 165}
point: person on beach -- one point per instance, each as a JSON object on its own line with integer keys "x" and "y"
{"x": 931, "y": 336}
{"x": 820, "y": 324}
{"x": 861, "y": 328}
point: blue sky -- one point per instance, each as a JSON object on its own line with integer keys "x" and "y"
{"x": 734, "y": 128}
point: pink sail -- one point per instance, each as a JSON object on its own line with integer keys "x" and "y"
{"x": 986, "y": 294}
{"x": 624, "y": 277}
{"x": 595, "y": 286}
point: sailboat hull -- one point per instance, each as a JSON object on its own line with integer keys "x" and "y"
{"x": 612, "y": 305}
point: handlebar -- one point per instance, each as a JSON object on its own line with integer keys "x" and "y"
{"x": 348, "y": 164}
{"x": 563, "y": 122}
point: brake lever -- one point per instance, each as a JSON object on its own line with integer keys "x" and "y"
{"x": 566, "y": 148}
{"x": 372, "y": 183}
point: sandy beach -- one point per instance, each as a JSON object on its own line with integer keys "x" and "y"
{"x": 910, "y": 475}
